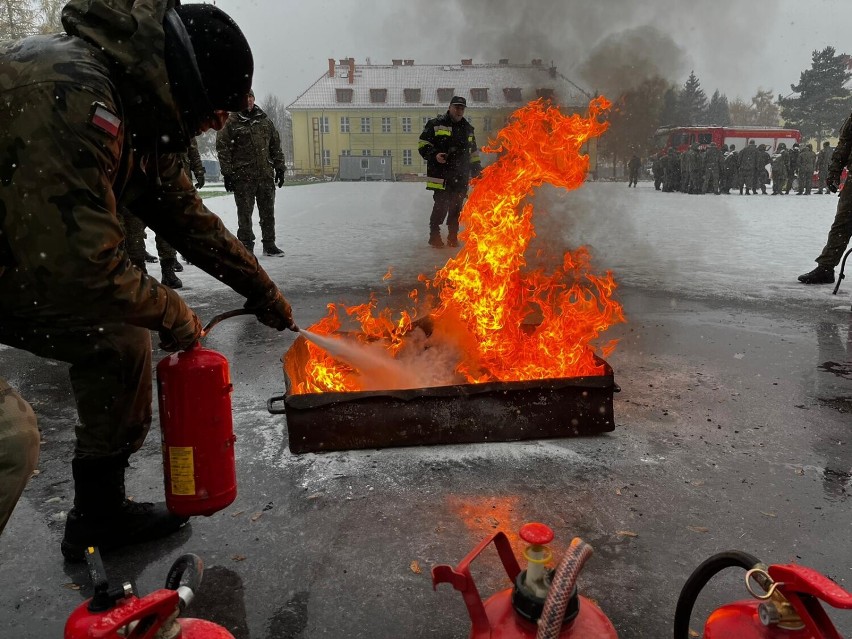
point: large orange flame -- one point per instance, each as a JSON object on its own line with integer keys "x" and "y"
{"x": 486, "y": 288}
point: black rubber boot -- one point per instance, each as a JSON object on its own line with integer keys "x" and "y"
{"x": 167, "y": 267}
{"x": 435, "y": 241}
{"x": 249, "y": 246}
{"x": 150, "y": 258}
{"x": 270, "y": 250}
{"x": 178, "y": 266}
{"x": 102, "y": 516}
{"x": 820, "y": 275}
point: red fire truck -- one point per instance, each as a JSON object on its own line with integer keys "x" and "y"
{"x": 682, "y": 137}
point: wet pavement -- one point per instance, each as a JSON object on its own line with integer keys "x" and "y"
{"x": 733, "y": 432}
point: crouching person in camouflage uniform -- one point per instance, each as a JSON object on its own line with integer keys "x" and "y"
{"x": 252, "y": 163}
{"x": 94, "y": 122}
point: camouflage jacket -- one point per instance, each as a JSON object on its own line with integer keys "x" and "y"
{"x": 249, "y": 147}
{"x": 841, "y": 156}
{"x": 192, "y": 160}
{"x": 456, "y": 139}
{"x": 807, "y": 162}
{"x": 68, "y": 162}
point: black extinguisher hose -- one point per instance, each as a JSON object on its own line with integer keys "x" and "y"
{"x": 699, "y": 578}
{"x": 224, "y": 316}
{"x": 185, "y": 577}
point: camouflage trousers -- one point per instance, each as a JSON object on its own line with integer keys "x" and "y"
{"x": 245, "y": 194}
{"x": 840, "y": 232}
{"x": 19, "y": 444}
{"x": 134, "y": 240}
{"x": 447, "y": 205}
{"x": 110, "y": 378}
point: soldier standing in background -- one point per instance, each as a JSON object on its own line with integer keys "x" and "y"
{"x": 695, "y": 166}
{"x": 841, "y": 229}
{"x": 761, "y": 175}
{"x": 252, "y": 162}
{"x": 807, "y": 164}
{"x": 793, "y": 158}
{"x": 732, "y": 167}
{"x": 779, "y": 169}
{"x": 671, "y": 171}
{"x": 658, "y": 172}
{"x": 684, "y": 171}
{"x": 714, "y": 168}
{"x": 748, "y": 167}
{"x": 823, "y": 160}
{"x": 633, "y": 167}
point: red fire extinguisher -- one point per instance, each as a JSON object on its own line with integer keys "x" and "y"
{"x": 543, "y": 603}
{"x": 117, "y": 613}
{"x": 196, "y": 424}
{"x": 786, "y": 603}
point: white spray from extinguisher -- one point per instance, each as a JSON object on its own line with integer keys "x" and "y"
{"x": 378, "y": 369}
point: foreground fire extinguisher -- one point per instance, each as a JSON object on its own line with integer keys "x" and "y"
{"x": 117, "y": 613}
{"x": 543, "y": 603}
{"x": 786, "y": 602}
{"x": 196, "y": 424}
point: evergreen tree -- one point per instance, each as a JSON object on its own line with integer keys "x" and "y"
{"x": 668, "y": 113}
{"x": 692, "y": 102}
{"x": 18, "y": 19}
{"x": 822, "y": 101}
{"x": 766, "y": 110}
{"x": 717, "y": 112}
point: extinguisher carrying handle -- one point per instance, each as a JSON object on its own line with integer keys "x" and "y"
{"x": 807, "y": 581}
{"x": 185, "y": 577}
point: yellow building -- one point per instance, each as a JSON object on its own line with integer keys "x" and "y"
{"x": 378, "y": 111}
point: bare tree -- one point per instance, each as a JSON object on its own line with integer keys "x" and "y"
{"x": 17, "y": 19}
{"x": 49, "y": 14}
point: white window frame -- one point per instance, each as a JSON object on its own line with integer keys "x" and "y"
{"x": 344, "y": 124}
{"x": 386, "y": 125}
{"x": 406, "y": 157}
{"x": 406, "y": 124}
{"x": 366, "y": 125}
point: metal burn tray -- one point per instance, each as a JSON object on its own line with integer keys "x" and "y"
{"x": 459, "y": 414}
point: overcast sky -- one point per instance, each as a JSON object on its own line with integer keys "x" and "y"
{"x": 735, "y": 46}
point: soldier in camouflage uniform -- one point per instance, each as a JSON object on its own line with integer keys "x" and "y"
{"x": 732, "y": 168}
{"x": 252, "y": 163}
{"x": 823, "y": 162}
{"x": 748, "y": 167}
{"x": 792, "y": 172}
{"x": 779, "y": 169}
{"x": 93, "y": 123}
{"x": 761, "y": 174}
{"x": 841, "y": 229}
{"x": 807, "y": 166}
{"x": 713, "y": 169}
{"x": 671, "y": 171}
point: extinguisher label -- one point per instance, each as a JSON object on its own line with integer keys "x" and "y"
{"x": 182, "y": 470}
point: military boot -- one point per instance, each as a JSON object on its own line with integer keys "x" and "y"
{"x": 249, "y": 246}
{"x": 178, "y": 266}
{"x": 820, "y": 275}
{"x": 167, "y": 267}
{"x": 150, "y": 258}
{"x": 102, "y": 516}
{"x": 435, "y": 240}
{"x": 270, "y": 250}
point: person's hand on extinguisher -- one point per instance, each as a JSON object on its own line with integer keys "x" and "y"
{"x": 181, "y": 327}
{"x": 273, "y": 310}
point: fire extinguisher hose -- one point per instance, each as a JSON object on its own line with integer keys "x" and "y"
{"x": 185, "y": 577}
{"x": 699, "y": 578}
{"x": 562, "y": 588}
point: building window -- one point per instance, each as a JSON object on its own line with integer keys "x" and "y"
{"x": 386, "y": 153}
{"x": 512, "y": 94}
{"x": 411, "y": 95}
{"x": 406, "y": 125}
{"x": 426, "y": 119}
{"x": 378, "y": 95}
{"x": 365, "y": 125}
{"x": 386, "y": 125}
{"x": 344, "y": 124}
{"x": 479, "y": 95}
{"x": 366, "y": 152}
{"x": 486, "y": 124}
{"x": 445, "y": 95}
{"x": 326, "y": 157}
{"x": 547, "y": 94}
{"x": 406, "y": 157}
{"x": 344, "y": 95}
{"x": 346, "y": 153}
{"x": 324, "y": 127}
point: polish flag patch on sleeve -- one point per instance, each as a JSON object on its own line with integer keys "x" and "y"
{"x": 102, "y": 118}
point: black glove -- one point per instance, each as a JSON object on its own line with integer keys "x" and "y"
{"x": 279, "y": 177}
{"x": 199, "y": 182}
{"x": 274, "y": 311}
{"x": 184, "y": 332}
{"x": 229, "y": 183}
{"x": 833, "y": 181}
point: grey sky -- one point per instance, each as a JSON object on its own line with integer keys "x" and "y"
{"x": 735, "y": 46}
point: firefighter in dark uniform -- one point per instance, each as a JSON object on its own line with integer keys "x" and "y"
{"x": 95, "y": 121}
{"x": 452, "y": 158}
{"x": 841, "y": 229}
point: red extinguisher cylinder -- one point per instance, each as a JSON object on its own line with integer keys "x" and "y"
{"x": 194, "y": 391}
